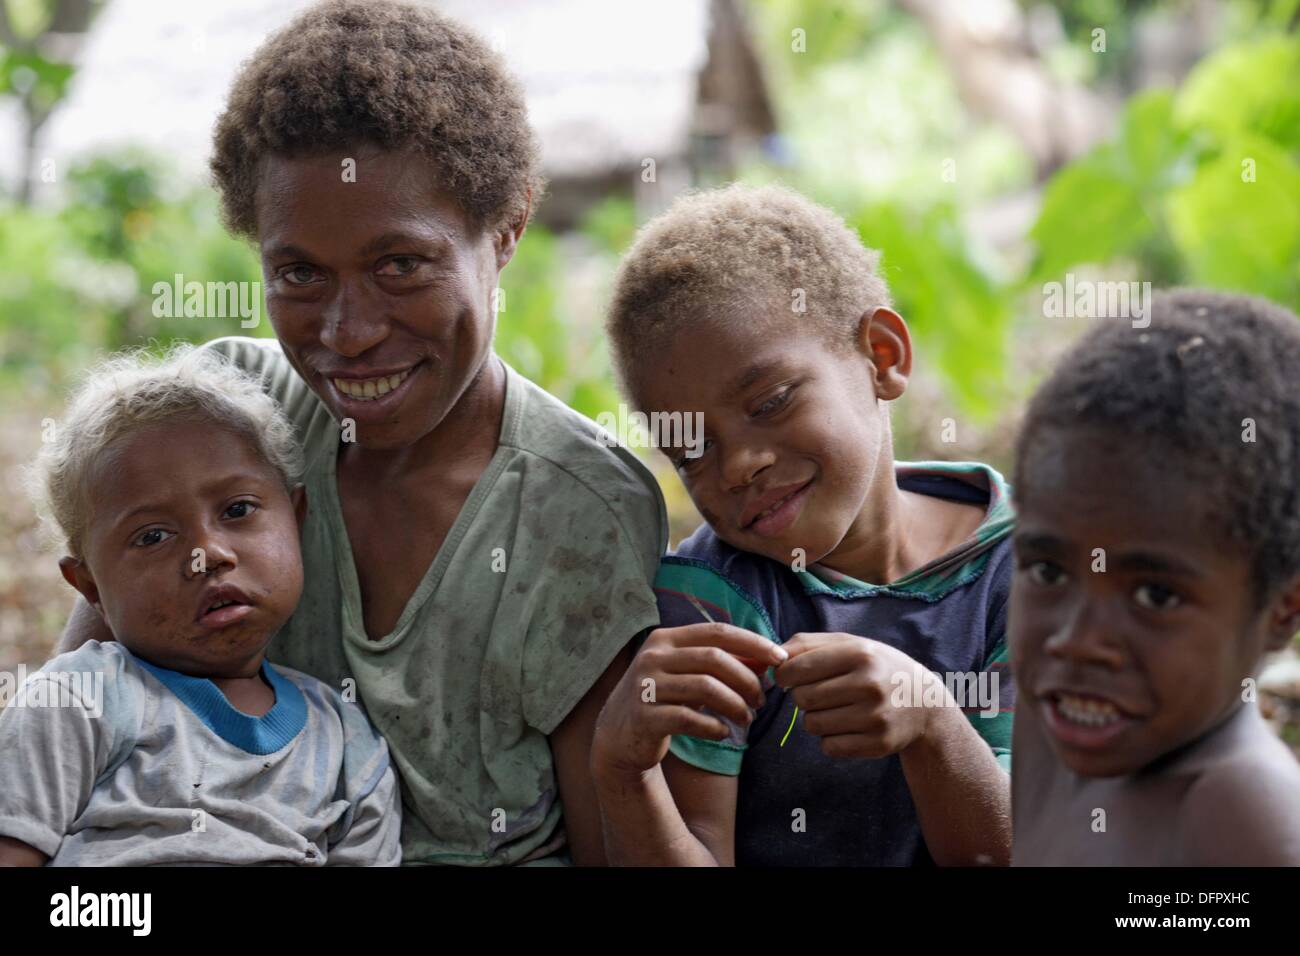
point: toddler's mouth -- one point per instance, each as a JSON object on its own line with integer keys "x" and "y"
{"x": 223, "y": 605}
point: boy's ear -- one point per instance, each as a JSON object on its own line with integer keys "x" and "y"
{"x": 299, "y": 498}
{"x": 1284, "y": 617}
{"x": 76, "y": 573}
{"x": 883, "y": 337}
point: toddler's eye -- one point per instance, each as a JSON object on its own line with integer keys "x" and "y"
{"x": 150, "y": 536}
{"x": 240, "y": 509}
{"x": 1045, "y": 573}
{"x": 1153, "y": 597}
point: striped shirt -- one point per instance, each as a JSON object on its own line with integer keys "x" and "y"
{"x": 949, "y": 616}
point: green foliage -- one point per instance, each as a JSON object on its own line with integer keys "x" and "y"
{"x": 1200, "y": 186}
{"x": 950, "y": 302}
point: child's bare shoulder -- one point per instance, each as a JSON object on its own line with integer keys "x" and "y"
{"x": 1244, "y": 808}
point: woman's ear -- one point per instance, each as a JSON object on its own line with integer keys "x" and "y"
{"x": 1284, "y": 617}
{"x": 76, "y": 573}
{"x": 884, "y": 339}
{"x": 507, "y": 239}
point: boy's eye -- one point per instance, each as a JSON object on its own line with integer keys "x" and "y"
{"x": 1045, "y": 573}
{"x": 775, "y": 402}
{"x": 150, "y": 536}
{"x": 298, "y": 274}
{"x": 240, "y": 509}
{"x": 683, "y": 463}
{"x": 1153, "y": 597}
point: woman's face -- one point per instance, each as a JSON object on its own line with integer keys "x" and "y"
{"x": 378, "y": 286}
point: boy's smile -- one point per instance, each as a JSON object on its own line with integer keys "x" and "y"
{"x": 1132, "y": 626}
{"x": 191, "y": 550}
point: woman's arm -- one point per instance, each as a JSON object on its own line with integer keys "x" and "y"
{"x": 85, "y": 624}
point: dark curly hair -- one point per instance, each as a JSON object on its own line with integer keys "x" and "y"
{"x": 1183, "y": 388}
{"x": 399, "y": 75}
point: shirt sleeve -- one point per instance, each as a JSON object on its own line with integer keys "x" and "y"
{"x": 994, "y": 723}
{"x": 679, "y": 583}
{"x": 370, "y": 832}
{"x": 596, "y": 599}
{"x": 60, "y": 732}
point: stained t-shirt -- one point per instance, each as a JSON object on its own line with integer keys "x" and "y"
{"x": 795, "y": 805}
{"x": 543, "y": 578}
{"x": 109, "y": 760}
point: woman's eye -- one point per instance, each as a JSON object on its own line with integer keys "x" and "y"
{"x": 240, "y": 509}
{"x": 299, "y": 274}
{"x": 1153, "y": 597}
{"x": 150, "y": 536}
{"x": 1045, "y": 573}
{"x": 400, "y": 266}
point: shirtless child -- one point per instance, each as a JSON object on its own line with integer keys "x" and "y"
{"x": 1157, "y": 561}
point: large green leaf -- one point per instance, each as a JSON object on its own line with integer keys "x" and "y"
{"x": 1247, "y": 87}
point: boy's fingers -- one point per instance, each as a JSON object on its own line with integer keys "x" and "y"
{"x": 702, "y": 690}
{"x": 718, "y": 663}
{"x": 841, "y": 690}
{"x": 820, "y": 663}
{"x": 806, "y": 641}
{"x": 732, "y": 639}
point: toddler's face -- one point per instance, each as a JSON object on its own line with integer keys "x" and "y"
{"x": 1131, "y": 662}
{"x": 793, "y": 436}
{"x": 191, "y": 553}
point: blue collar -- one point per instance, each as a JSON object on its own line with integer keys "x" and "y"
{"x": 255, "y": 735}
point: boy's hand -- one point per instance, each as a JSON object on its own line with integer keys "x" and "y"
{"x": 677, "y": 671}
{"x": 846, "y": 685}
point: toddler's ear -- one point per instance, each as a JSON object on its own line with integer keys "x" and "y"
{"x": 884, "y": 338}
{"x": 1284, "y": 617}
{"x": 76, "y": 573}
{"x": 299, "y": 498}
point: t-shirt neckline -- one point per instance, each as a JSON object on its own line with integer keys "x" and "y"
{"x": 354, "y": 628}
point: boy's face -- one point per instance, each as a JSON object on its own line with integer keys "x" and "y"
{"x": 1131, "y": 662}
{"x": 793, "y": 434}
{"x": 381, "y": 284}
{"x": 156, "y": 496}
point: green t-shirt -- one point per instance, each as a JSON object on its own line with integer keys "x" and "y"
{"x": 544, "y": 576}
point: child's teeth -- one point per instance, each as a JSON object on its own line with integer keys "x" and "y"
{"x": 1087, "y": 710}
{"x": 372, "y": 387}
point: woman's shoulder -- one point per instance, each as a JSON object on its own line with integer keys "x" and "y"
{"x": 573, "y": 460}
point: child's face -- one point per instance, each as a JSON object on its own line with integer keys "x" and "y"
{"x": 156, "y": 496}
{"x": 1126, "y": 664}
{"x": 793, "y": 434}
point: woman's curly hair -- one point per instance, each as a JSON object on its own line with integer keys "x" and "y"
{"x": 398, "y": 75}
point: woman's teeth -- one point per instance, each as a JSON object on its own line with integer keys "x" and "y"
{"x": 368, "y": 388}
{"x": 221, "y": 604}
{"x": 1089, "y": 711}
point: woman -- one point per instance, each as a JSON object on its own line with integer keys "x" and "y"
{"x": 477, "y": 561}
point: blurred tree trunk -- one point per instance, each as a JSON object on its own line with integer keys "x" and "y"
{"x": 37, "y": 66}
{"x": 998, "y": 76}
